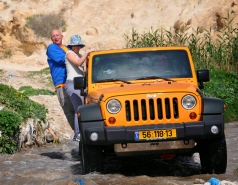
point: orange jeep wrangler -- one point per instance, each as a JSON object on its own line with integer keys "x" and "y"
{"x": 147, "y": 101}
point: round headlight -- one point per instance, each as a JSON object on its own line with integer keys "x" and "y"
{"x": 188, "y": 102}
{"x": 113, "y": 106}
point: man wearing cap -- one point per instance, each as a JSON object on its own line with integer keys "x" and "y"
{"x": 56, "y": 59}
{"x": 75, "y": 66}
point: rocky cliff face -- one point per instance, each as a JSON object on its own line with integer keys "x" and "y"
{"x": 102, "y": 24}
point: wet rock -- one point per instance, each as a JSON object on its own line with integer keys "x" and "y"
{"x": 224, "y": 182}
{"x": 199, "y": 181}
{"x": 49, "y": 138}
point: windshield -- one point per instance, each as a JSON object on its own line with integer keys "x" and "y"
{"x": 141, "y": 65}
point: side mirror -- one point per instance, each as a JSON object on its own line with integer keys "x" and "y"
{"x": 203, "y": 76}
{"x": 80, "y": 83}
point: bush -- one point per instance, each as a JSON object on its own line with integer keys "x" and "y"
{"x": 42, "y": 25}
{"x": 9, "y": 122}
{"x": 9, "y": 127}
{"x": 7, "y": 145}
{"x": 20, "y": 103}
{"x": 7, "y": 54}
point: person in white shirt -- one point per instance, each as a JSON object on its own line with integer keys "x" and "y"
{"x": 75, "y": 66}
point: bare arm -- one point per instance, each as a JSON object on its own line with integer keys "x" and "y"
{"x": 75, "y": 60}
{"x": 85, "y": 65}
{"x": 78, "y": 61}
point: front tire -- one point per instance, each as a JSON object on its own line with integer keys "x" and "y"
{"x": 213, "y": 155}
{"x": 91, "y": 158}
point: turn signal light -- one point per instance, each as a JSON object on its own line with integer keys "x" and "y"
{"x": 112, "y": 120}
{"x": 193, "y": 115}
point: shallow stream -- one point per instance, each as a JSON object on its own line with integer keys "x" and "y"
{"x": 60, "y": 164}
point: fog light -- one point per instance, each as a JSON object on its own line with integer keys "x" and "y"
{"x": 94, "y": 136}
{"x": 214, "y": 129}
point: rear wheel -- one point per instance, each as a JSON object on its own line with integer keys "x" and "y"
{"x": 91, "y": 158}
{"x": 213, "y": 155}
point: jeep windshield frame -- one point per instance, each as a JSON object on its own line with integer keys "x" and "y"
{"x": 140, "y": 65}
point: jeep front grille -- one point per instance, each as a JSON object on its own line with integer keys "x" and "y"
{"x": 152, "y": 109}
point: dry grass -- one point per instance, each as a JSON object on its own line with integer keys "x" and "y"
{"x": 42, "y": 25}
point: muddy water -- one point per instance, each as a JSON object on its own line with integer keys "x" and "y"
{"x": 60, "y": 164}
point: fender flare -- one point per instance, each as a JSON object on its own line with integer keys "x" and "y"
{"x": 89, "y": 112}
{"x": 212, "y": 105}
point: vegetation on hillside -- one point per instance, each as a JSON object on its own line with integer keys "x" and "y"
{"x": 43, "y": 24}
{"x": 17, "y": 108}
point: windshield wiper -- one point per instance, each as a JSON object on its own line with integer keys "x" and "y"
{"x": 154, "y": 77}
{"x": 113, "y": 80}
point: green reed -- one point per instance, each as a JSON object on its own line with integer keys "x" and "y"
{"x": 211, "y": 48}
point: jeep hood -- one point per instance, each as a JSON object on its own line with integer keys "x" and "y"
{"x": 141, "y": 88}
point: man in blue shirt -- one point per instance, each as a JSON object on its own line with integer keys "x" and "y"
{"x": 56, "y": 59}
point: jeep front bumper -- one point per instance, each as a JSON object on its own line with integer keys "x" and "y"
{"x": 120, "y": 134}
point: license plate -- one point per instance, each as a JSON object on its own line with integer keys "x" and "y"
{"x": 155, "y": 134}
